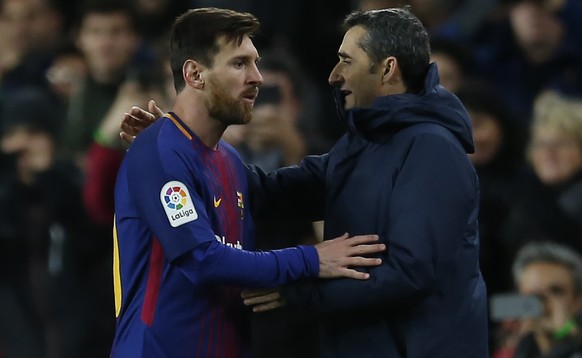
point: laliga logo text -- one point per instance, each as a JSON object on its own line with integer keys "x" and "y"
{"x": 182, "y": 214}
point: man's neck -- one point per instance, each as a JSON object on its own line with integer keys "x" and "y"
{"x": 194, "y": 113}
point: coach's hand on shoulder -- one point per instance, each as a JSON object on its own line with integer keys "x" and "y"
{"x": 137, "y": 119}
{"x": 337, "y": 257}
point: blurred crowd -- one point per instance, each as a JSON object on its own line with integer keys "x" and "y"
{"x": 70, "y": 69}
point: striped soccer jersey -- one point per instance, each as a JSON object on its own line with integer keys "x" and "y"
{"x": 182, "y": 229}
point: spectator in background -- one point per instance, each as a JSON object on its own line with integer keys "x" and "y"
{"x": 67, "y": 72}
{"x": 554, "y": 274}
{"x": 366, "y": 5}
{"x": 31, "y": 32}
{"x": 108, "y": 40}
{"x": 116, "y": 80}
{"x": 538, "y": 47}
{"x": 50, "y": 305}
{"x": 155, "y": 17}
{"x": 498, "y": 159}
{"x": 549, "y": 202}
{"x": 453, "y": 60}
{"x": 452, "y": 19}
{"x": 105, "y": 154}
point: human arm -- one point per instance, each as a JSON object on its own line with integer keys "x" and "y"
{"x": 214, "y": 262}
{"x": 431, "y": 206}
{"x": 191, "y": 244}
{"x": 98, "y": 187}
{"x": 130, "y": 94}
{"x": 105, "y": 155}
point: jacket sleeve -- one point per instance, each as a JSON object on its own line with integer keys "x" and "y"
{"x": 433, "y": 202}
{"x": 295, "y": 192}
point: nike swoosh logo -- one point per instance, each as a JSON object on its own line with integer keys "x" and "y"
{"x": 217, "y": 202}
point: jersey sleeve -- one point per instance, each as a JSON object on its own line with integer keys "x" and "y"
{"x": 215, "y": 263}
{"x": 163, "y": 185}
{"x": 164, "y": 194}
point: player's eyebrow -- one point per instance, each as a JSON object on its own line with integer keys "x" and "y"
{"x": 246, "y": 58}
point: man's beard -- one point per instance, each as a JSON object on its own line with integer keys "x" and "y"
{"x": 225, "y": 108}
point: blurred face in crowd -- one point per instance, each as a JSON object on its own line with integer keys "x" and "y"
{"x": 232, "y": 82}
{"x": 450, "y": 73}
{"x": 360, "y": 84}
{"x": 287, "y": 102}
{"x": 537, "y": 30}
{"x": 555, "y": 154}
{"x": 366, "y": 5}
{"x": 34, "y": 150}
{"x": 554, "y": 284}
{"x": 487, "y": 135}
{"x": 108, "y": 43}
{"x": 30, "y": 25}
{"x": 432, "y": 12}
{"x": 150, "y": 6}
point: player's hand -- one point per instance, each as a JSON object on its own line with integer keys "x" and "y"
{"x": 338, "y": 256}
{"x": 137, "y": 119}
{"x": 263, "y": 300}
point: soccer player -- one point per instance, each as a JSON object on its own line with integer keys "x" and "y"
{"x": 182, "y": 214}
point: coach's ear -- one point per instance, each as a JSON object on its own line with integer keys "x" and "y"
{"x": 390, "y": 70}
{"x": 192, "y": 73}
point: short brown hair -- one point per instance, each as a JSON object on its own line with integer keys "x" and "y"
{"x": 195, "y": 34}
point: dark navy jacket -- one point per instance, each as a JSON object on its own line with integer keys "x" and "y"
{"x": 400, "y": 172}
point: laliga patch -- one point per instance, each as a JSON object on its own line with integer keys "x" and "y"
{"x": 178, "y": 203}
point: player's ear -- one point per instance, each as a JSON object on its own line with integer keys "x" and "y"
{"x": 192, "y": 73}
